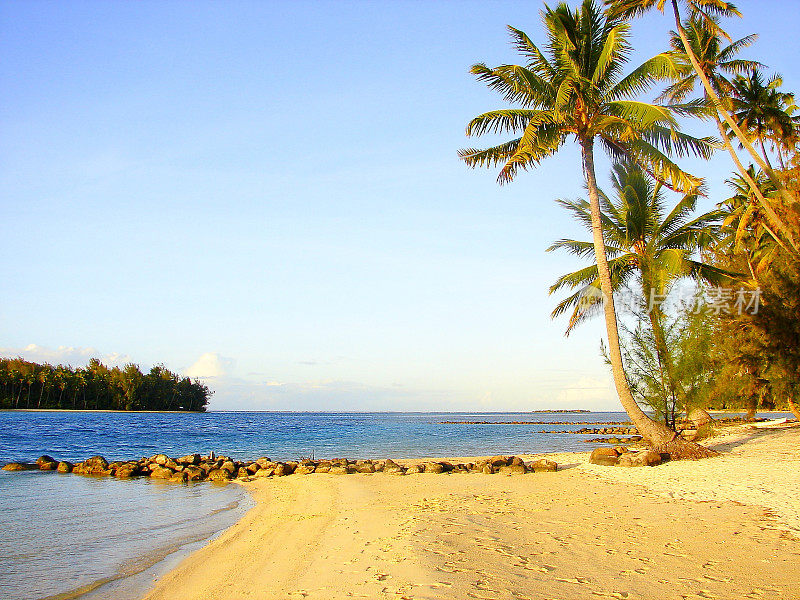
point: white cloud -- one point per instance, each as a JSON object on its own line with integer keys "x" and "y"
{"x": 210, "y": 365}
{"x": 65, "y": 355}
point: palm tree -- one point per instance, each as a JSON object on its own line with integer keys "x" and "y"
{"x": 706, "y": 10}
{"x": 578, "y": 91}
{"x": 745, "y": 231}
{"x": 762, "y": 110}
{"x": 643, "y": 242}
{"x": 715, "y": 60}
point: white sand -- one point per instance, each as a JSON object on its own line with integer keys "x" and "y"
{"x": 585, "y": 532}
{"x": 759, "y": 467}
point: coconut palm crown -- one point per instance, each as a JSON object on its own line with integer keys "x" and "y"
{"x": 715, "y": 58}
{"x": 643, "y": 241}
{"x": 762, "y": 110}
{"x": 577, "y": 88}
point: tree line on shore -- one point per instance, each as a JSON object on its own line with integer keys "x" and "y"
{"x": 30, "y": 385}
{"x": 701, "y": 310}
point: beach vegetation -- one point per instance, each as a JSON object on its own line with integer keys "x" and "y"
{"x": 29, "y": 385}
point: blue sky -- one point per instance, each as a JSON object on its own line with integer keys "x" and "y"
{"x": 269, "y": 194}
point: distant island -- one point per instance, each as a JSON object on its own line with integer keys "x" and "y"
{"x": 30, "y": 385}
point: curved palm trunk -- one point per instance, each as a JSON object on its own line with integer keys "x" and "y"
{"x": 660, "y": 437}
{"x": 769, "y": 212}
{"x": 794, "y": 408}
{"x": 723, "y": 111}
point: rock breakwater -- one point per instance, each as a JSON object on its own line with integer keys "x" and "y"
{"x": 194, "y": 467}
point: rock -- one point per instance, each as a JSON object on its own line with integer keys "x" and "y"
{"x": 305, "y": 469}
{"x": 620, "y": 450}
{"x": 645, "y": 458}
{"x": 194, "y": 473}
{"x": 265, "y": 463}
{"x": 242, "y": 473}
{"x": 15, "y": 466}
{"x": 161, "y": 473}
{"x": 228, "y": 465}
{"x": 700, "y": 417}
{"x": 179, "y": 477}
{"x": 499, "y": 461}
{"x": 159, "y": 459}
{"x": 252, "y": 468}
{"x": 171, "y": 464}
{"x": 434, "y": 467}
{"x": 64, "y": 467}
{"x": 45, "y": 459}
{"x": 264, "y": 472}
{"x": 516, "y": 460}
{"x": 340, "y": 470}
{"x": 487, "y": 469}
{"x": 96, "y": 464}
{"x": 220, "y": 475}
{"x": 393, "y": 468}
{"x": 517, "y": 469}
{"x": 414, "y": 469}
{"x": 604, "y": 456}
{"x": 190, "y": 459}
{"x": 544, "y": 465}
{"x": 126, "y": 470}
{"x": 323, "y": 467}
{"x": 364, "y": 466}
{"x": 280, "y": 470}
{"x": 48, "y": 466}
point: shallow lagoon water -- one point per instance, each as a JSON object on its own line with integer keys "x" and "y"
{"x": 67, "y": 534}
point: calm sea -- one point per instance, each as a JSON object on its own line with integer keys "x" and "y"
{"x": 91, "y": 538}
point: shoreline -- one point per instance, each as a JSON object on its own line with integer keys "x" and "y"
{"x": 419, "y": 536}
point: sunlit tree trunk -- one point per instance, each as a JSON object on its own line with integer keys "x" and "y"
{"x": 660, "y": 437}
{"x": 794, "y": 408}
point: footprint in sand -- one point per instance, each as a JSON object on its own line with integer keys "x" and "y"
{"x": 574, "y": 580}
{"x": 546, "y": 568}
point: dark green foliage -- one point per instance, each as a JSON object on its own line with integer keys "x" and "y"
{"x": 25, "y": 384}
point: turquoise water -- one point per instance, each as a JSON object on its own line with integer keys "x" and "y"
{"x": 98, "y": 538}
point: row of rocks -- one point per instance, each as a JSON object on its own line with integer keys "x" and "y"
{"x": 601, "y": 431}
{"x": 534, "y": 423}
{"x": 193, "y": 467}
{"x": 622, "y": 457}
{"x": 616, "y": 440}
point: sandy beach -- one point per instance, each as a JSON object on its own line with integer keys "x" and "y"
{"x": 726, "y": 528}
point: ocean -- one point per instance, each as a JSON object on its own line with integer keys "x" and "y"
{"x": 67, "y": 536}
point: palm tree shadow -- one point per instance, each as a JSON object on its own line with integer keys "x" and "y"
{"x": 750, "y": 435}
